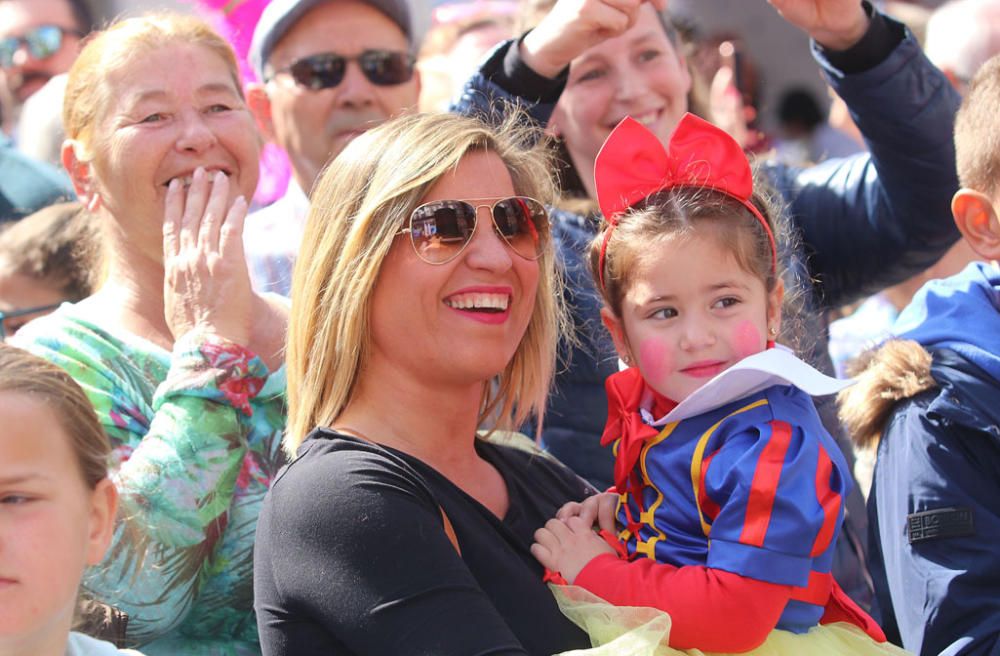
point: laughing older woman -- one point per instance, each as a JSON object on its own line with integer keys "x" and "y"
{"x": 174, "y": 349}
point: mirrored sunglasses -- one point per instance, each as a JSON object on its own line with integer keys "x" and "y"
{"x": 441, "y": 229}
{"x": 327, "y": 70}
{"x": 42, "y": 42}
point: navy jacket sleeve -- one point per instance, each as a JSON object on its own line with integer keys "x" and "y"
{"x": 942, "y": 571}
{"x": 503, "y": 84}
{"x": 867, "y": 221}
{"x": 352, "y": 558}
{"x": 875, "y": 219}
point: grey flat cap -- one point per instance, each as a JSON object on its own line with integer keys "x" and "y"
{"x": 280, "y": 15}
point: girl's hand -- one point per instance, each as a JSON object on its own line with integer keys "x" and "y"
{"x": 598, "y": 509}
{"x": 205, "y": 282}
{"x": 573, "y": 26}
{"x": 566, "y": 547}
{"x": 834, "y": 24}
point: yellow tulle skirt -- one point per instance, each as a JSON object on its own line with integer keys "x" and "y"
{"x": 634, "y": 631}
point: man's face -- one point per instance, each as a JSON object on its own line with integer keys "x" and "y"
{"x": 314, "y": 126}
{"x": 27, "y": 74}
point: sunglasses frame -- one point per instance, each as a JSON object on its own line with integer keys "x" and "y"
{"x": 408, "y": 58}
{"x": 20, "y": 312}
{"x": 27, "y": 40}
{"x": 408, "y": 230}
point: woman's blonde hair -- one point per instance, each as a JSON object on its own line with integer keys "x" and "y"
{"x": 109, "y": 50}
{"x": 27, "y": 374}
{"x": 359, "y": 204}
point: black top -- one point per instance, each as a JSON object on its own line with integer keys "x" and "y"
{"x": 352, "y": 557}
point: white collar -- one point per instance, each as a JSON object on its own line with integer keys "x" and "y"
{"x": 774, "y": 366}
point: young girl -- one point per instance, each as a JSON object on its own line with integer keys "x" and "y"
{"x": 729, "y": 490}
{"x": 57, "y": 507}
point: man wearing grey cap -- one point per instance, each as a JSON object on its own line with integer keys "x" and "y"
{"x": 331, "y": 69}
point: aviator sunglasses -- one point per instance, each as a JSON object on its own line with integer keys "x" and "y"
{"x": 441, "y": 229}
{"x": 42, "y": 42}
{"x": 325, "y": 71}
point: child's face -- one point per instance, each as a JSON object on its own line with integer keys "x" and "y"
{"x": 691, "y": 312}
{"x": 51, "y": 525}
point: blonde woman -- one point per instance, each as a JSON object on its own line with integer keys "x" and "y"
{"x": 424, "y": 303}
{"x": 181, "y": 360}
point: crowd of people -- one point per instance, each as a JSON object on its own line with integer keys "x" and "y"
{"x": 544, "y": 371}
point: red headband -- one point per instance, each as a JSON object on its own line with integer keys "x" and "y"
{"x": 633, "y": 165}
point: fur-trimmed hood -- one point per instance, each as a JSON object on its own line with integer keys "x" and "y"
{"x": 898, "y": 370}
{"x": 949, "y": 338}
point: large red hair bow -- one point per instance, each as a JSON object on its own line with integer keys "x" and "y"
{"x": 633, "y": 165}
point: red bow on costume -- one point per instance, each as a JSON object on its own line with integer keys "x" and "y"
{"x": 625, "y": 391}
{"x": 633, "y": 165}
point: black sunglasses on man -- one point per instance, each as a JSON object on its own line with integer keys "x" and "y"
{"x": 326, "y": 70}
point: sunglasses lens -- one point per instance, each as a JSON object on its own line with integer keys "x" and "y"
{"x": 8, "y": 47}
{"x": 43, "y": 41}
{"x": 523, "y": 223}
{"x": 318, "y": 72}
{"x": 386, "y": 68}
{"x": 440, "y": 230}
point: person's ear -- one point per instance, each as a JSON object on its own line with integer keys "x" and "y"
{"x": 81, "y": 173}
{"x": 416, "y": 80}
{"x": 553, "y": 128}
{"x": 616, "y": 328}
{"x": 260, "y": 106}
{"x": 774, "y": 300}
{"x": 103, "y": 512}
{"x": 685, "y": 70}
{"x": 977, "y": 220}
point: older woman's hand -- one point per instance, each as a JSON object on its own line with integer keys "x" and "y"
{"x": 206, "y": 284}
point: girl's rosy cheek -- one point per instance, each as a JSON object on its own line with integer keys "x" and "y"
{"x": 747, "y": 339}
{"x": 656, "y": 359}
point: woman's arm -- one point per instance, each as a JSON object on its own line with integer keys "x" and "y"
{"x": 875, "y": 219}
{"x": 352, "y": 557}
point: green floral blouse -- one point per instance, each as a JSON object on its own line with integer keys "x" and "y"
{"x": 196, "y": 435}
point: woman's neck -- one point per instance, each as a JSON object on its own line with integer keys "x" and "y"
{"x": 430, "y": 418}
{"x": 132, "y": 296}
{"x": 430, "y": 421}
{"x": 49, "y": 640}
